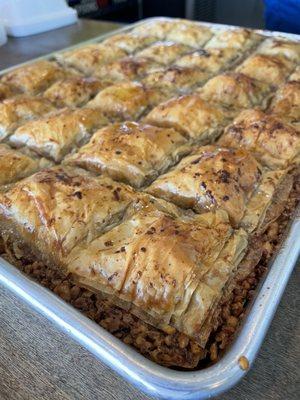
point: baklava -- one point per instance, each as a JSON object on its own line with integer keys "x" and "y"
{"x": 280, "y": 47}
{"x": 74, "y": 92}
{"x": 88, "y": 59}
{"x": 36, "y": 77}
{"x": 286, "y": 103}
{"x": 130, "y": 42}
{"x": 132, "y": 152}
{"x": 125, "y": 100}
{"x": 164, "y": 52}
{"x": 55, "y": 209}
{"x": 190, "y": 115}
{"x": 56, "y": 135}
{"x": 189, "y": 33}
{"x": 18, "y": 110}
{"x": 239, "y": 38}
{"x": 273, "y": 70}
{"x": 6, "y": 91}
{"x": 274, "y": 142}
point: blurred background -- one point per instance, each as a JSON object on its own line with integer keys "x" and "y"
{"x": 246, "y": 13}
{"x": 222, "y": 11}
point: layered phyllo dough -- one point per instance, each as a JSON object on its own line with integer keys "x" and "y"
{"x": 59, "y": 133}
{"x": 18, "y": 110}
{"x": 132, "y": 152}
{"x": 164, "y": 52}
{"x": 191, "y": 116}
{"x": 280, "y": 47}
{"x": 211, "y": 60}
{"x": 88, "y": 59}
{"x": 158, "y": 28}
{"x": 125, "y": 100}
{"x": 130, "y": 42}
{"x": 235, "y": 91}
{"x": 273, "y": 70}
{"x": 175, "y": 79}
{"x": 189, "y": 33}
{"x": 217, "y": 178}
{"x": 286, "y": 103}
{"x": 295, "y": 76}
{"x": 75, "y": 91}
{"x": 168, "y": 271}
{"x": 36, "y": 77}
{"x": 15, "y": 165}
{"x": 127, "y": 68}
{"x": 274, "y": 142}
{"x": 242, "y": 39}
{"x": 55, "y": 209}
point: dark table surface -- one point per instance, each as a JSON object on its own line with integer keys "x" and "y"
{"x": 39, "y": 362}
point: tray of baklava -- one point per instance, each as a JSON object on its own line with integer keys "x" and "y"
{"x": 150, "y": 179}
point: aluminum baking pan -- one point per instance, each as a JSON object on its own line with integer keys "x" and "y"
{"x": 151, "y": 378}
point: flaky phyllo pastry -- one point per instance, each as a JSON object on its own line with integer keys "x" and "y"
{"x": 216, "y": 177}
{"x": 154, "y": 173}
{"x": 166, "y": 270}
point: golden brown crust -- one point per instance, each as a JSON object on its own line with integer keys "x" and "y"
{"x": 55, "y": 209}
{"x": 286, "y": 103}
{"x": 162, "y": 290}
{"x": 189, "y": 33}
{"x": 164, "y": 52}
{"x": 130, "y": 42}
{"x": 74, "y": 92}
{"x": 127, "y": 68}
{"x": 18, "y": 110}
{"x": 278, "y": 47}
{"x": 212, "y": 60}
{"x": 272, "y": 70}
{"x": 235, "y": 91}
{"x": 57, "y": 134}
{"x": 190, "y": 115}
{"x": 15, "y": 165}
{"x": 295, "y": 75}
{"x": 88, "y": 59}
{"x": 131, "y": 152}
{"x": 175, "y": 79}
{"x": 274, "y": 142}
{"x": 242, "y": 39}
{"x": 125, "y": 100}
{"x": 158, "y": 29}
{"x": 211, "y": 178}
{"x": 36, "y": 77}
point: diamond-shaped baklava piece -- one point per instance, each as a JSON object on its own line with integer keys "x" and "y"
{"x": 235, "y": 91}
{"x": 189, "y": 33}
{"x": 212, "y": 60}
{"x": 164, "y": 52}
{"x": 175, "y": 80}
{"x": 212, "y": 178}
{"x": 165, "y": 270}
{"x": 132, "y": 152}
{"x": 36, "y": 77}
{"x": 88, "y": 59}
{"x": 6, "y": 91}
{"x": 57, "y": 134}
{"x": 130, "y": 42}
{"x": 158, "y": 28}
{"x": 295, "y": 75}
{"x": 57, "y": 208}
{"x": 125, "y": 100}
{"x": 286, "y": 103}
{"x": 15, "y": 165}
{"x": 273, "y": 142}
{"x": 242, "y": 39}
{"x": 18, "y": 110}
{"x": 273, "y": 70}
{"x": 74, "y": 92}
{"x": 191, "y": 116}
{"x": 280, "y": 47}
{"x": 127, "y": 68}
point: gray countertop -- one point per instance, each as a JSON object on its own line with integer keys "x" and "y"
{"x": 39, "y": 362}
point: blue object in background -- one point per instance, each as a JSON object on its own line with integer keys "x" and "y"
{"x": 283, "y": 15}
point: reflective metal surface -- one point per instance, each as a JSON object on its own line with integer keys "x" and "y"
{"x": 148, "y": 376}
